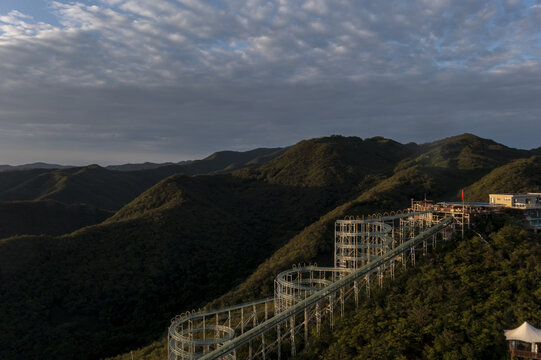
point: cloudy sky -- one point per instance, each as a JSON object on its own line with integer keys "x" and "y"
{"x": 111, "y": 81}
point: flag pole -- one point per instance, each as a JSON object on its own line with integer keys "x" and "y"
{"x": 463, "y": 214}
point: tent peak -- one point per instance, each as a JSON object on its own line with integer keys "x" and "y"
{"x": 525, "y": 332}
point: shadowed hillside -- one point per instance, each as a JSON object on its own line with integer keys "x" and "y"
{"x": 189, "y": 240}
{"x": 523, "y": 175}
{"x": 335, "y": 161}
{"x": 467, "y": 152}
{"x": 108, "y": 189}
{"x": 92, "y": 185}
{"x": 46, "y": 217}
{"x": 179, "y": 245}
{"x": 226, "y": 161}
{"x": 452, "y": 305}
{"x": 439, "y": 179}
{"x": 37, "y": 165}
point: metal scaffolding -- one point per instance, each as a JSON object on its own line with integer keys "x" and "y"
{"x": 193, "y": 334}
{"x": 308, "y": 297}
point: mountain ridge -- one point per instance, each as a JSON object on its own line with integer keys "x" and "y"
{"x": 111, "y": 189}
{"x": 208, "y": 234}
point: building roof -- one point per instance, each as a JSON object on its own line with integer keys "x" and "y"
{"x": 514, "y": 194}
{"x": 470, "y": 203}
{"x": 524, "y": 332}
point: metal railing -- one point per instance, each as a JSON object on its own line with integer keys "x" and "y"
{"x": 525, "y": 354}
{"x": 230, "y": 347}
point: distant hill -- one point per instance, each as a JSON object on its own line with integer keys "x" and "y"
{"x": 122, "y": 167}
{"x": 439, "y": 176}
{"x": 46, "y": 217}
{"x": 227, "y": 161}
{"x": 141, "y": 166}
{"x": 335, "y": 161}
{"x": 37, "y": 165}
{"x": 536, "y": 151}
{"x": 467, "y": 152}
{"x": 108, "y": 189}
{"x": 91, "y": 185}
{"x": 178, "y": 245}
{"x": 188, "y": 240}
{"x": 522, "y": 175}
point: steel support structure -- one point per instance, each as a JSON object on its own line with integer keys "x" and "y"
{"x": 304, "y": 296}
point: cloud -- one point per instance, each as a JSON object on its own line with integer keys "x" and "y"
{"x": 191, "y": 77}
{"x": 173, "y": 41}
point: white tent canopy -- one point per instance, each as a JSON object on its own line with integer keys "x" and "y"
{"x": 525, "y": 332}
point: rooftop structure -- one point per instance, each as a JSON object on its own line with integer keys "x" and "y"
{"x": 517, "y": 201}
{"x": 462, "y": 212}
{"x": 529, "y": 204}
{"x": 524, "y": 341}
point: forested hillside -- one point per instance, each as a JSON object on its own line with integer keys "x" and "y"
{"x": 455, "y": 304}
{"x": 434, "y": 180}
{"x": 522, "y": 175}
{"x": 200, "y": 237}
{"x": 46, "y": 217}
{"x": 109, "y": 189}
{"x": 193, "y": 240}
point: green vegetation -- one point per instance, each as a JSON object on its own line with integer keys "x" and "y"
{"x": 522, "y": 175}
{"x": 441, "y": 180}
{"x": 90, "y": 185}
{"x": 186, "y": 241}
{"x": 46, "y": 217}
{"x": 106, "y": 288}
{"x": 467, "y": 152}
{"x": 455, "y": 305}
{"x": 314, "y": 243}
{"x": 336, "y": 161}
{"x": 106, "y": 189}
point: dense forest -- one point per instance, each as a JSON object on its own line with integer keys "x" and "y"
{"x": 186, "y": 241}
{"x": 455, "y": 304}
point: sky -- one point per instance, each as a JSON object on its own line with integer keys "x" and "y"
{"x": 116, "y": 81}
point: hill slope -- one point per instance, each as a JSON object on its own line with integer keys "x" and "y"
{"x": 523, "y": 175}
{"x": 46, "y": 217}
{"x": 415, "y": 176}
{"x": 107, "y": 287}
{"x": 335, "y": 161}
{"x": 37, "y": 165}
{"x": 467, "y": 152}
{"x": 188, "y": 240}
{"x": 440, "y": 179}
{"x": 109, "y": 189}
{"x": 454, "y": 305}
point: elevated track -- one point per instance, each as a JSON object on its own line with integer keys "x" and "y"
{"x": 305, "y": 296}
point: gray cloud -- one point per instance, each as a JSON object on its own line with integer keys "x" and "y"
{"x": 134, "y": 80}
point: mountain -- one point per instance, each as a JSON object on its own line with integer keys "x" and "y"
{"x": 335, "y": 161}
{"x": 140, "y": 166}
{"x": 46, "y": 217}
{"x": 451, "y": 164}
{"x": 180, "y": 239}
{"x": 108, "y": 189}
{"x": 440, "y": 178}
{"x": 454, "y": 304}
{"x": 227, "y": 161}
{"x": 219, "y": 162}
{"x": 467, "y": 152}
{"x": 91, "y": 185}
{"x": 178, "y": 245}
{"x": 36, "y": 165}
{"x": 210, "y": 239}
{"x": 522, "y": 175}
